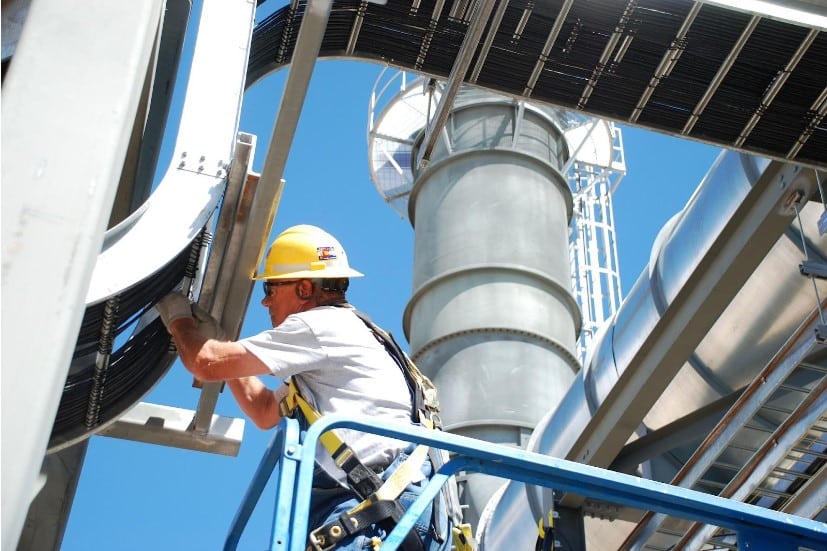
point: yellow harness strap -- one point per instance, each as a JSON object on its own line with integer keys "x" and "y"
{"x": 463, "y": 539}
{"x": 406, "y": 473}
{"x": 288, "y": 405}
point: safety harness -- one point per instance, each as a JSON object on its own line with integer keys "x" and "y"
{"x": 379, "y": 503}
{"x": 545, "y": 536}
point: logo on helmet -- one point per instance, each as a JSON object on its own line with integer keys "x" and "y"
{"x": 326, "y": 253}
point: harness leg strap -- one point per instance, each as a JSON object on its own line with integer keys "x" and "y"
{"x": 382, "y": 513}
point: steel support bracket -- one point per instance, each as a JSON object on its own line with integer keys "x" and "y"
{"x": 170, "y": 426}
{"x": 813, "y": 268}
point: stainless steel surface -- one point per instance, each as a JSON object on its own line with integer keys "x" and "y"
{"x": 709, "y": 221}
{"x": 492, "y": 320}
{"x": 505, "y": 522}
{"x": 227, "y": 244}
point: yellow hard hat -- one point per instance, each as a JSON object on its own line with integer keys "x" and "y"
{"x": 306, "y": 251}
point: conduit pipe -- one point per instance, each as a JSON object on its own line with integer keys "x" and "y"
{"x": 721, "y": 294}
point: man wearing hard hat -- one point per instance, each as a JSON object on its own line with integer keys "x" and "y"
{"x": 334, "y": 361}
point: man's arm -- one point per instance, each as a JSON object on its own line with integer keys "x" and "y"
{"x": 212, "y": 359}
{"x": 257, "y": 401}
{"x": 207, "y": 355}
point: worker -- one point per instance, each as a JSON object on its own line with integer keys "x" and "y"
{"x": 336, "y": 363}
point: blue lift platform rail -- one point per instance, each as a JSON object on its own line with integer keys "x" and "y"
{"x": 758, "y": 529}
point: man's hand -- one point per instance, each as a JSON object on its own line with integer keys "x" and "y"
{"x": 172, "y": 307}
{"x": 206, "y": 324}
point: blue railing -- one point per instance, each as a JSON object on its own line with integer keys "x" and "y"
{"x": 758, "y": 529}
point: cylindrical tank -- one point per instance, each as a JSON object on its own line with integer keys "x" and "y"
{"x": 492, "y": 320}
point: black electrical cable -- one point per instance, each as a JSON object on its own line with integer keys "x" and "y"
{"x": 135, "y": 365}
{"x": 397, "y": 34}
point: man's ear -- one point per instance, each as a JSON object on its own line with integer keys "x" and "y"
{"x": 305, "y": 289}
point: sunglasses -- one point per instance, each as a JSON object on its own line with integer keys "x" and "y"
{"x": 268, "y": 285}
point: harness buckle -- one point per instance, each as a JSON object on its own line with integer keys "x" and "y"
{"x": 318, "y": 542}
{"x": 330, "y": 535}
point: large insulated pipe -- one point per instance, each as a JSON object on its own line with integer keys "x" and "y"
{"x": 492, "y": 320}
{"x": 753, "y": 323}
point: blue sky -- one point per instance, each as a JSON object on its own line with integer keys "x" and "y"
{"x": 134, "y": 496}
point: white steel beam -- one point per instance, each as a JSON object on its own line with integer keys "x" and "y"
{"x": 209, "y": 139}
{"x": 69, "y": 100}
{"x": 755, "y": 225}
{"x": 194, "y": 181}
{"x": 305, "y": 54}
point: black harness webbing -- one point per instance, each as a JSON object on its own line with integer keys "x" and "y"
{"x": 425, "y": 406}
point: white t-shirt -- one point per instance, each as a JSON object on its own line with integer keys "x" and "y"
{"x": 339, "y": 367}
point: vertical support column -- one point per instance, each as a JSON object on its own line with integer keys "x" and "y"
{"x": 69, "y": 101}
{"x": 49, "y": 512}
{"x": 492, "y": 319}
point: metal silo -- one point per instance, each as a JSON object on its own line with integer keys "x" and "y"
{"x": 492, "y": 319}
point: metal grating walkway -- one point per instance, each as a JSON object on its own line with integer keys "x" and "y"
{"x": 691, "y": 69}
{"x": 770, "y": 449}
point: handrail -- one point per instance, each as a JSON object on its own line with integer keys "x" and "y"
{"x": 758, "y": 528}
{"x": 281, "y": 445}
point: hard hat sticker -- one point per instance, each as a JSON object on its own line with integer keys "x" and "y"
{"x": 326, "y": 253}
